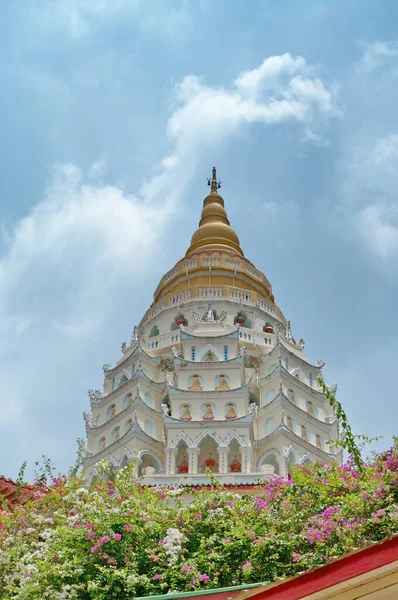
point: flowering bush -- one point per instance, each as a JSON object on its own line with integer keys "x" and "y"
{"x": 116, "y": 539}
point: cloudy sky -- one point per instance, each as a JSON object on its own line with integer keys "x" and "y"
{"x": 112, "y": 114}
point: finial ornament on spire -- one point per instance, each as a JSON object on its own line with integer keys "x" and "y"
{"x": 215, "y": 185}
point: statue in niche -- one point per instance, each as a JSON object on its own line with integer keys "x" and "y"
{"x": 186, "y": 413}
{"x": 318, "y": 441}
{"x": 310, "y": 409}
{"x": 129, "y": 399}
{"x": 195, "y": 386}
{"x": 209, "y": 356}
{"x": 304, "y": 434}
{"x": 222, "y": 384}
{"x": 231, "y": 412}
{"x": 291, "y": 396}
{"x": 102, "y": 444}
{"x": 289, "y": 423}
{"x": 208, "y": 414}
{"x": 209, "y": 316}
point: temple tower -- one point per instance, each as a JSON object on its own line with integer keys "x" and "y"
{"x": 212, "y": 377}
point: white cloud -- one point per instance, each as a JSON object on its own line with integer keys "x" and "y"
{"x": 378, "y": 226}
{"x": 79, "y": 18}
{"x": 375, "y": 55}
{"x": 251, "y": 98}
{"x": 369, "y": 199}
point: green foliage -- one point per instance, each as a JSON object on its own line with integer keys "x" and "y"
{"x": 347, "y": 441}
{"x": 115, "y": 539}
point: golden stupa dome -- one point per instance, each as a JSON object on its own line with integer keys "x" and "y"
{"x": 214, "y": 229}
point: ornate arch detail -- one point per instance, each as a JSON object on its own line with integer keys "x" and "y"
{"x": 307, "y": 456}
{"x": 273, "y": 451}
{"x": 234, "y": 435}
{"x": 182, "y": 436}
{"x": 126, "y": 455}
{"x": 205, "y": 433}
{"x": 213, "y": 350}
{"x": 295, "y": 451}
{"x": 154, "y": 456}
{"x": 125, "y": 374}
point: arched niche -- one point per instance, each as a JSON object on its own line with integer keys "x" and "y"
{"x": 269, "y": 426}
{"x": 127, "y": 400}
{"x": 182, "y": 458}
{"x": 150, "y": 428}
{"x": 111, "y": 412}
{"x": 149, "y": 463}
{"x": 149, "y": 399}
{"x": 269, "y": 396}
{"x": 269, "y": 459}
{"x": 208, "y": 452}
{"x": 272, "y": 368}
{"x": 154, "y": 331}
{"x": 115, "y": 435}
{"x": 122, "y": 380}
{"x": 208, "y": 411}
{"x": 101, "y": 444}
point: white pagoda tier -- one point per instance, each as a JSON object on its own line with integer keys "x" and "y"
{"x": 212, "y": 378}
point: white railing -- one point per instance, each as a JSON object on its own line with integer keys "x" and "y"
{"x": 267, "y": 307}
{"x": 170, "y": 275}
{"x": 178, "y": 298}
{"x": 189, "y": 264}
{"x": 213, "y": 261}
{"x": 166, "y": 339}
{"x": 232, "y": 264}
{"x": 210, "y": 292}
{"x": 254, "y": 272}
{"x": 156, "y": 310}
{"x": 240, "y": 295}
{"x": 255, "y": 337}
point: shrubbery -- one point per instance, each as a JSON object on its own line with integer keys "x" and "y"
{"x": 118, "y": 540}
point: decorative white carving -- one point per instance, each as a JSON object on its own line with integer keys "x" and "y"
{"x": 287, "y": 450}
{"x": 82, "y": 448}
{"x": 88, "y": 419}
{"x": 94, "y": 395}
{"x": 301, "y": 344}
{"x": 174, "y": 352}
{"x": 333, "y": 388}
{"x": 320, "y": 363}
{"x": 169, "y": 377}
{"x": 253, "y": 408}
{"x": 209, "y": 317}
{"x": 165, "y": 410}
{"x": 107, "y": 367}
{"x": 242, "y": 351}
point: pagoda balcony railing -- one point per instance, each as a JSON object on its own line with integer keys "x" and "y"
{"x": 249, "y": 336}
{"x": 212, "y": 262}
{"x": 162, "y": 341}
{"x": 244, "y": 297}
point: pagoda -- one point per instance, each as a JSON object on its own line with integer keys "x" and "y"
{"x": 212, "y": 379}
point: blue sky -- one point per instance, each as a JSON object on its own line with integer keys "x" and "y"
{"x": 112, "y": 114}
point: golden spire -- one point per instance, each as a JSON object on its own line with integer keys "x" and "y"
{"x": 214, "y": 230}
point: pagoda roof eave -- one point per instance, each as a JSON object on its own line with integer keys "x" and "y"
{"x": 138, "y": 402}
{"x": 217, "y": 363}
{"x": 280, "y": 344}
{"x": 134, "y": 431}
{"x": 137, "y": 351}
{"x": 281, "y": 399}
{"x": 218, "y": 393}
{"x": 246, "y": 419}
{"x": 298, "y": 441}
{"x": 229, "y": 334}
